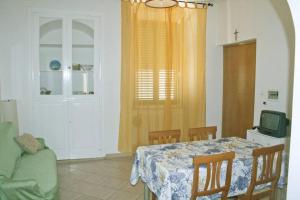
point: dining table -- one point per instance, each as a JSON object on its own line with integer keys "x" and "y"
{"x": 167, "y": 170}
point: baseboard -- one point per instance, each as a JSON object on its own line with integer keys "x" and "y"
{"x": 79, "y": 160}
{"x": 107, "y": 156}
{"x": 119, "y": 155}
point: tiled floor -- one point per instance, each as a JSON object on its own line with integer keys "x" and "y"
{"x": 106, "y": 179}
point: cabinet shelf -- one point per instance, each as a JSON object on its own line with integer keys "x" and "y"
{"x": 60, "y": 46}
{"x": 46, "y": 70}
{"x": 82, "y": 72}
{"x": 73, "y": 71}
{"x": 51, "y": 45}
{"x": 83, "y": 46}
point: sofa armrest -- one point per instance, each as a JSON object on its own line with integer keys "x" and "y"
{"x": 13, "y": 189}
{"x": 42, "y": 142}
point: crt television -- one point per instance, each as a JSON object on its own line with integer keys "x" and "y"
{"x": 273, "y": 123}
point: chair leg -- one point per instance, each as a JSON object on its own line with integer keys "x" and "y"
{"x": 241, "y": 197}
{"x": 153, "y": 196}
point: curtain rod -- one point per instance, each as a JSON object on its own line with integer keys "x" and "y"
{"x": 193, "y": 2}
{"x": 178, "y": 1}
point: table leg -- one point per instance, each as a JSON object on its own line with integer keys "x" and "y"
{"x": 146, "y": 192}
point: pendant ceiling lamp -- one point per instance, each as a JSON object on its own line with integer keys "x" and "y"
{"x": 161, "y": 3}
{"x": 172, "y": 3}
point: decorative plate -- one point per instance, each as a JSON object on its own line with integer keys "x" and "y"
{"x": 55, "y": 65}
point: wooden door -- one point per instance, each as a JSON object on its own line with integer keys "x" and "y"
{"x": 238, "y": 89}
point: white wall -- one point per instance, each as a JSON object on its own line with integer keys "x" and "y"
{"x": 293, "y": 192}
{"x": 15, "y": 72}
{"x": 262, "y": 22}
{"x": 270, "y": 23}
{"x": 214, "y": 72}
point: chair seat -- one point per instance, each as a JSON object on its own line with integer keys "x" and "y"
{"x": 260, "y": 191}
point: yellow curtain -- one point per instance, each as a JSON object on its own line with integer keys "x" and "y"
{"x": 163, "y": 72}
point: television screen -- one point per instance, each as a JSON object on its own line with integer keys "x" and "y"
{"x": 270, "y": 121}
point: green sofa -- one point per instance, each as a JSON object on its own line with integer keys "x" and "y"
{"x": 25, "y": 176}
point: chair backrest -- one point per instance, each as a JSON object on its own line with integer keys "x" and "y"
{"x": 164, "y": 137}
{"x": 270, "y": 173}
{"x": 212, "y": 184}
{"x": 202, "y": 133}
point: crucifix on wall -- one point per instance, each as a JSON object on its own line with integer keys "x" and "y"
{"x": 236, "y": 34}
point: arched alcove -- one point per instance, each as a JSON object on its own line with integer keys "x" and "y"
{"x": 51, "y": 31}
{"x": 294, "y": 161}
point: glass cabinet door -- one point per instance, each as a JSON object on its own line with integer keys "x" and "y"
{"x": 82, "y": 57}
{"x": 50, "y": 55}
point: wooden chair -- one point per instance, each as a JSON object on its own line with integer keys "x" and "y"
{"x": 213, "y": 165}
{"x": 164, "y": 137}
{"x": 202, "y": 133}
{"x": 269, "y": 174}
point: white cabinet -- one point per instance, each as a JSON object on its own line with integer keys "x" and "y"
{"x": 255, "y": 136}
{"x": 84, "y": 129}
{"x": 67, "y": 83}
{"x": 50, "y": 122}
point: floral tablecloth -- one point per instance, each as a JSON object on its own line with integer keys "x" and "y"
{"x": 168, "y": 171}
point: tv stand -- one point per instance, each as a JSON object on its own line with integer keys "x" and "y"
{"x": 255, "y": 136}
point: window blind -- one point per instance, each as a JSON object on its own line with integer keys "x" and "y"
{"x": 166, "y": 85}
{"x": 144, "y": 85}
{"x": 146, "y": 90}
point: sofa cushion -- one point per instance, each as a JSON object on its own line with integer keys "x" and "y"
{"x": 40, "y": 167}
{"x": 28, "y": 143}
{"x": 10, "y": 151}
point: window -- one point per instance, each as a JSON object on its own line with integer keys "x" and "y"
{"x": 164, "y": 89}
{"x": 155, "y": 79}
